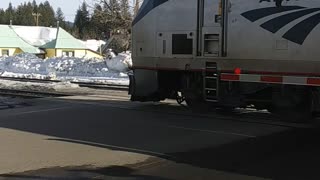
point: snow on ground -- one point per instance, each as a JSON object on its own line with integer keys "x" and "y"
{"x": 32, "y": 86}
{"x": 25, "y": 65}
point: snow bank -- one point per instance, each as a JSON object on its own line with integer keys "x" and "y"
{"x": 7, "y": 84}
{"x": 67, "y": 69}
{"x": 119, "y": 63}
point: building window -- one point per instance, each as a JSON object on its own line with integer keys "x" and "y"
{"x": 68, "y": 53}
{"x": 5, "y": 52}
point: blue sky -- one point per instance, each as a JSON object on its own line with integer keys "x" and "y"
{"x": 69, "y": 7}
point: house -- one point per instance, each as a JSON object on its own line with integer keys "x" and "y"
{"x": 11, "y": 43}
{"x": 45, "y": 42}
{"x": 66, "y": 45}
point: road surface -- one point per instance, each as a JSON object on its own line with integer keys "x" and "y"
{"x": 108, "y": 137}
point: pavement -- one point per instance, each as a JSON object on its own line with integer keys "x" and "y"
{"x": 108, "y": 137}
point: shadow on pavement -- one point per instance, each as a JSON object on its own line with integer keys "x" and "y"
{"x": 291, "y": 154}
{"x": 82, "y": 173}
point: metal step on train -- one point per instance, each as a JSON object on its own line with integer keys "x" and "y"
{"x": 211, "y": 82}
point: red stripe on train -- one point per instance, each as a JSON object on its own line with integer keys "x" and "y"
{"x": 313, "y": 81}
{"x": 272, "y": 79}
{"x": 230, "y": 77}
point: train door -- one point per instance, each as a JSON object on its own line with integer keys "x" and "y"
{"x": 212, "y": 28}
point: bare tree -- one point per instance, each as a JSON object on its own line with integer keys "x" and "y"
{"x": 115, "y": 17}
{"x": 136, "y": 7}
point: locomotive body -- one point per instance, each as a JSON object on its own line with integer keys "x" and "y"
{"x": 228, "y": 53}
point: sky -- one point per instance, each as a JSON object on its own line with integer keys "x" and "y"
{"x": 69, "y": 7}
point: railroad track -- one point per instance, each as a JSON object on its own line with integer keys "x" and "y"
{"x": 103, "y": 86}
{"x": 29, "y": 94}
{"x": 81, "y": 84}
{"x": 264, "y": 118}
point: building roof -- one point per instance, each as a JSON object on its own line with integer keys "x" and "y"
{"x": 64, "y": 40}
{"x": 9, "y": 39}
{"x": 36, "y": 35}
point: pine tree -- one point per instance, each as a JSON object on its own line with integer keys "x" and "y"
{"x": 98, "y": 26}
{"x": 2, "y": 16}
{"x": 18, "y": 15}
{"x": 61, "y": 19}
{"x": 23, "y": 15}
{"x": 82, "y": 20}
{"x": 9, "y": 14}
{"x": 47, "y": 17}
{"x": 35, "y": 6}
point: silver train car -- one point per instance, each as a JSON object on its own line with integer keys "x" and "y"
{"x": 229, "y": 53}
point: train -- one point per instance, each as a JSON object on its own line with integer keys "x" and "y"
{"x": 229, "y": 54}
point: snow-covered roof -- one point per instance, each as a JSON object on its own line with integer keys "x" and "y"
{"x": 31, "y": 38}
{"x": 36, "y": 35}
{"x": 9, "y": 39}
{"x": 64, "y": 40}
{"x": 93, "y": 44}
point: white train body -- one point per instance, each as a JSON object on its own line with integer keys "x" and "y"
{"x": 254, "y": 43}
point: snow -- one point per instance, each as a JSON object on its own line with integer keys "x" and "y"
{"x": 36, "y": 36}
{"x": 39, "y": 36}
{"x": 26, "y": 65}
{"x": 94, "y": 44}
{"x": 33, "y": 86}
{"x": 119, "y": 63}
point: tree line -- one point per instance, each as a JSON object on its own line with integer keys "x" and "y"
{"x": 24, "y": 14}
{"x": 101, "y": 20}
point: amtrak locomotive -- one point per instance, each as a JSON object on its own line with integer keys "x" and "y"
{"x": 229, "y": 53}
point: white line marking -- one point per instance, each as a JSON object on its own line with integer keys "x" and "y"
{"x": 211, "y": 131}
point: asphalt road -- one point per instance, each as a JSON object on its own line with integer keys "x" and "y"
{"x": 107, "y": 137}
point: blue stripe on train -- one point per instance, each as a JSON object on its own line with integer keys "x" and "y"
{"x": 146, "y": 8}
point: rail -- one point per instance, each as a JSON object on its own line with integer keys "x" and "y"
{"x": 29, "y": 94}
{"x": 106, "y": 86}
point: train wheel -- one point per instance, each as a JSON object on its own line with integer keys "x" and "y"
{"x": 197, "y": 104}
{"x": 193, "y": 93}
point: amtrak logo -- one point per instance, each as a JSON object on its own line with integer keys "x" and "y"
{"x": 299, "y": 32}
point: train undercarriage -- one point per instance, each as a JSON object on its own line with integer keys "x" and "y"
{"x": 203, "y": 93}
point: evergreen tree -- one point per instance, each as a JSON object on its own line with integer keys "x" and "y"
{"x": 9, "y": 14}
{"x": 47, "y": 17}
{"x": 99, "y": 27}
{"x": 2, "y": 14}
{"x": 82, "y": 20}
{"x": 35, "y": 6}
{"x": 61, "y": 19}
{"x": 18, "y": 15}
{"x": 23, "y": 15}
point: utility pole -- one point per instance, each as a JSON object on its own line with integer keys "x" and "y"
{"x": 36, "y": 18}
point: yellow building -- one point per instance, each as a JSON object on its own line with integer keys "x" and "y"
{"x": 11, "y": 43}
{"x": 66, "y": 45}
{"x": 45, "y": 42}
